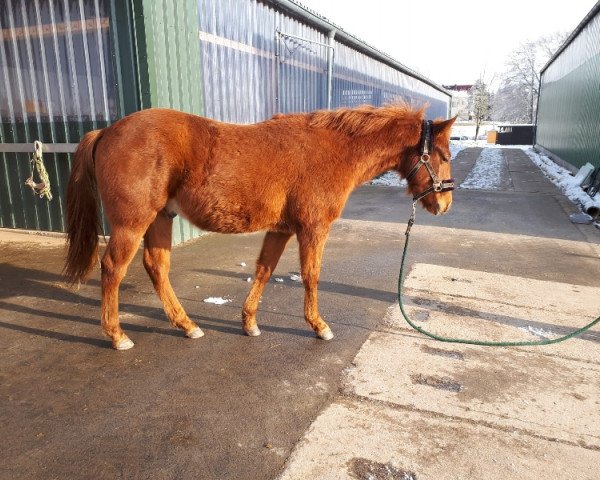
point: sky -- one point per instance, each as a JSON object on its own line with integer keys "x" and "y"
{"x": 456, "y": 41}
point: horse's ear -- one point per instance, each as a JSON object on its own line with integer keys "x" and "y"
{"x": 443, "y": 126}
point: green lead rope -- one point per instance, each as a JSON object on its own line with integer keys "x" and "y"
{"x": 463, "y": 340}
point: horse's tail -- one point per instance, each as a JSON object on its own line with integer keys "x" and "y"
{"x": 83, "y": 223}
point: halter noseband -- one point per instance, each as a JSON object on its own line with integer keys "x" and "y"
{"x": 425, "y": 146}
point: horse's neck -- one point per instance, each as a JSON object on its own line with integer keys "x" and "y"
{"x": 374, "y": 156}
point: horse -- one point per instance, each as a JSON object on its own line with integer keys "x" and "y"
{"x": 289, "y": 175}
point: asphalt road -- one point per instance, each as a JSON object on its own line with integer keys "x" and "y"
{"x": 228, "y": 406}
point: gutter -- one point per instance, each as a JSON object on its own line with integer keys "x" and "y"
{"x": 321, "y": 23}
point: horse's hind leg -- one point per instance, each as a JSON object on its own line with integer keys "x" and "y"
{"x": 273, "y": 246}
{"x": 157, "y": 260}
{"x": 122, "y": 246}
{"x": 312, "y": 243}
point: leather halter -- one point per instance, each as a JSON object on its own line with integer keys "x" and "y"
{"x": 425, "y": 146}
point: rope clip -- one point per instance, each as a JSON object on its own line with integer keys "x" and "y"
{"x": 411, "y": 220}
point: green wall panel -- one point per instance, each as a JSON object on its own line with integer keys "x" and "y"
{"x": 56, "y": 83}
{"x": 168, "y": 50}
{"x": 54, "y": 87}
{"x": 568, "y": 123}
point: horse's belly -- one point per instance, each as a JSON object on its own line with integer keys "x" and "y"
{"x": 224, "y": 218}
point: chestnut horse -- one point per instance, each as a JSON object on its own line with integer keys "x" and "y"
{"x": 288, "y": 175}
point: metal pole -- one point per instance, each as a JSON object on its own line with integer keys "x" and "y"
{"x": 537, "y": 110}
{"x": 277, "y": 70}
{"x": 330, "y": 60}
{"x": 46, "y": 147}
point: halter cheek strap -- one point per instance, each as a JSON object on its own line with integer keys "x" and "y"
{"x": 425, "y": 146}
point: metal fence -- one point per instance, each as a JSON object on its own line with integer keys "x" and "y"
{"x": 70, "y": 66}
{"x": 568, "y": 118}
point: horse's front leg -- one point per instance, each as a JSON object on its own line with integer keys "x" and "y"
{"x": 273, "y": 246}
{"x": 312, "y": 243}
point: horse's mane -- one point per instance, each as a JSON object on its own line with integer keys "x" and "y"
{"x": 365, "y": 119}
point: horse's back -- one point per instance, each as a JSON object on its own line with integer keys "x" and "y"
{"x": 222, "y": 177}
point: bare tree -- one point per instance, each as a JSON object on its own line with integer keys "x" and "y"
{"x": 510, "y": 103}
{"x": 479, "y": 104}
{"x": 516, "y": 99}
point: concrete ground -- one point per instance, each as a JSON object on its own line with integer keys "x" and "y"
{"x": 379, "y": 401}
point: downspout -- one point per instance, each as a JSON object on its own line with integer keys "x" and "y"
{"x": 277, "y": 70}
{"x": 537, "y": 111}
{"x": 330, "y": 60}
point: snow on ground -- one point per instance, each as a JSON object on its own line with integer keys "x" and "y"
{"x": 216, "y": 300}
{"x": 487, "y": 172}
{"x": 563, "y": 179}
{"x": 392, "y": 179}
{"x": 538, "y": 332}
{"x": 456, "y": 147}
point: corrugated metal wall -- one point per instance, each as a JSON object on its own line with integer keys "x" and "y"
{"x": 56, "y": 82}
{"x": 70, "y": 66}
{"x": 359, "y": 79}
{"x": 250, "y": 71}
{"x": 568, "y": 122}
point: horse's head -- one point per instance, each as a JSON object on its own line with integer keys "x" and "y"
{"x": 427, "y": 167}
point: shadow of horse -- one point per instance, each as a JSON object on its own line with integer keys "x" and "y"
{"x": 25, "y": 290}
{"x": 331, "y": 287}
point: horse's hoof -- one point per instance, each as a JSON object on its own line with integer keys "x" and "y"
{"x": 195, "y": 333}
{"x": 253, "y": 332}
{"x": 124, "y": 344}
{"x": 326, "y": 334}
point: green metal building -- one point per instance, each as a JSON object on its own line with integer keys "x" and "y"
{"x": 568, "y": 116}
{"x": 70, "y": 66}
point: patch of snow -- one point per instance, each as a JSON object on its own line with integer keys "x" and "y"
{"x": 538, "y": 332}
{"x": 295, "y": 278}
{"x": 563, "y": 179}
{"x": 392, "y": 179}
{"x": 249, "y": 279}
{"x": 456, "y": 147}
{"x": 216, "y": 300}
{"x": 487, "y": 172}
{"x": 243, "y": 264}
{"x": 279, "y": 280}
